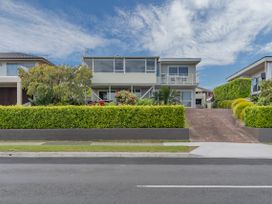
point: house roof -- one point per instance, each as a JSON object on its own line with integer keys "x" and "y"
{"x": 117, "y": 56}
{"x": 21, "y": 56}
{"x": 249, "y": 67}
{"x": 190, "y": 60}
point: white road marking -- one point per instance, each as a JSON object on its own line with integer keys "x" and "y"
{"x": 208, "y": 186}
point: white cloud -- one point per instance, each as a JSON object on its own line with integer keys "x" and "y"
{"x": 267, "y": 48}
{"x": 24, "y": 28}
{"x": 217, "y": 31}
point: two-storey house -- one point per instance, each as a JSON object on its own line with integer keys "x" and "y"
{"x": 142, "y": 76}
{"x": 257, "y": 71}
{"x": 11, "y": 92}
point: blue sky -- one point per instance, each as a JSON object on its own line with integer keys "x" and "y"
{"x": 226, "y": 34}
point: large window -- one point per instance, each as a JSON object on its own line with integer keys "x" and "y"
{"x": 12, "y": 68}
{"x": 255, "y": 84}
{"x": 150, "y": 65}
{"x": 119, "y": 65}
{"x": 122, "y": 65}
{"x": 135, "y": 65}
{"x": 103, "y": 65}
{"x": 186, "y": 98}
{"x": 176, "y": 70}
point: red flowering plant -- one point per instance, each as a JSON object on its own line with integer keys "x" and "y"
{"x": 125, "y": 98}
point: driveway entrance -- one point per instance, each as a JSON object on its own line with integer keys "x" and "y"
{"x": 216, "y": 125}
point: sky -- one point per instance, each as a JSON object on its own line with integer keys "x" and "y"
{"x": 226, "y": 34}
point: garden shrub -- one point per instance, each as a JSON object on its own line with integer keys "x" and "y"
{"x": 236, "y": 101}
{"x": 224, "y": 104}
{"x": 238, "y": 88}
{"x": 145, "y": 102}
{"x": 45, "y": 117}
{"x": 239, "y": 108}
{"x": 166, "y": 96}
{"x": 125, "y": 98}
{"x": 258, "y": 116}
{"x": 265, "y": 96}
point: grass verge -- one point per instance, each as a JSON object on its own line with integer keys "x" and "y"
{"x": 89, "y": 148}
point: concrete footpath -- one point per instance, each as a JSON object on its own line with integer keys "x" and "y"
{"x": 202, "y": 150}
{"x": 228, "y": 150}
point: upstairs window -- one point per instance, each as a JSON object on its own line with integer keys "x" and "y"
{"x": 119, "y": 65}
{"x": 135, "y": 65}
{"x": 12, "y": 68}
{"x": 180, "y": 71}
{"x": 103, "y": 65}
{"x": 123, "y": 65}
{"x": 173, "y": 71}
{"x": 150, "y": 65}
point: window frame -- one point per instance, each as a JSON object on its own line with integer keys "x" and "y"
{"x": 178, "y": 67}
{"x": 153, "y": 69}
{"x": 26, "y": 65}
{"x": 123, "y": 67}
{"x": 136, "y": 59}
{"x": 106, "y": 59}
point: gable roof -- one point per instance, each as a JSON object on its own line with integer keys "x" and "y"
{"x": 249, "y": 67}
{"x": 22, "y": 56}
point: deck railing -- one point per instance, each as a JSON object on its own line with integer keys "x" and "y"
{"x": 167, "y": 79}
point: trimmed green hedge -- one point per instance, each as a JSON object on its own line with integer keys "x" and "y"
{"x": 224, "y": 104}
{"x": 238, "y": 88}
{"x": 236, "y": 101}
{"x": 239, "y": 108}
{"x": 45, "y": 117}
{"x": 258, "y": 116}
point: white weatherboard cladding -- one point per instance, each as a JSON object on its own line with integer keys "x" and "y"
{"x": 269, "y": 70}
{"x": 3, "y": 69}
{"x": 121, "y": 78}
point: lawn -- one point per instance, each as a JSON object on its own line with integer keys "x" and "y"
{"x": 92, "y": 148}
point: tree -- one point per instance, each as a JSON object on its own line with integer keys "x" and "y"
{"x": 46, "y": 84}
{"x": 265, "y": 96}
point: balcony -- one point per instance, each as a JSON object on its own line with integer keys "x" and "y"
{"x": 166, "y": 79}
{"x": 124, "y": 78}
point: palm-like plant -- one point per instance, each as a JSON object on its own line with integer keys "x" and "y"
{"x": 165, "y": 96}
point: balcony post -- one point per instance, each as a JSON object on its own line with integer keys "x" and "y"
{"x": 109, "y": 92}
{"x": 19, "y": 93}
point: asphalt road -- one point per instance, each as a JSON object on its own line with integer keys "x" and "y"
{"x": 75, "y": 181}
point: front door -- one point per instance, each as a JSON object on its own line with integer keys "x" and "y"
{"x": 8, "y": 96}
{"x": 103, "y": 95}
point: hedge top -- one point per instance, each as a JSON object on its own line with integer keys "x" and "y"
{"x": 46, "y": 117}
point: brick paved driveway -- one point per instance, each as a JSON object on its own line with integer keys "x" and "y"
{"x": 216, "y": 125}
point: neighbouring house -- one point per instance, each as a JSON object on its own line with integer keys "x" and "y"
{"x": 143, "y": 76}
{"x": 11, "y": 92}
{"x": 257, "y": 71}
{"x": 201, "y": 97}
